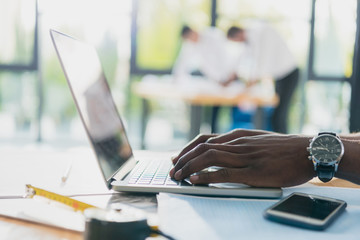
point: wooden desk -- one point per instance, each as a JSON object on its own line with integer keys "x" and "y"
{"x": 211, "y": 95}
{"x": 17, "y": 229}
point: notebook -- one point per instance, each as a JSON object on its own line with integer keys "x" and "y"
{"x": 107, "y": 135}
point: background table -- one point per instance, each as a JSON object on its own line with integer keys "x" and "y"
{"x": 202, "y": 93}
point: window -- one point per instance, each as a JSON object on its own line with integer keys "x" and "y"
{"x": 289, "y": 18}
{"x": 105, "y": 24}
{"x": 18, "y": 60}
{"x": 158, "y": 30}
{"x": 335, "y": 27}
{"x": 330, "y": 63}
{"x": 18, "y": 25}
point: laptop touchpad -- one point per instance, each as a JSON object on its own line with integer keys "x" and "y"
{"x": 217, "y": 185}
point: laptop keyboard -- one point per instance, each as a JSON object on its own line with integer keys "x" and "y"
{"x": 153, "y": 173}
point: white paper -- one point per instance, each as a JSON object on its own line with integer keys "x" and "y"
{"x": 189, "y": 217}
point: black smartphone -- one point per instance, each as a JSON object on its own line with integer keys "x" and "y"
{"x": 306, "y": 210}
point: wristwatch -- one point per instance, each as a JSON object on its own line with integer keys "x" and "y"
{"x": 326, "y": 151}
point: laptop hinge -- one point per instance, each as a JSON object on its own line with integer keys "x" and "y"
{"x": 124, "y": 171}
{"x": 109, "y": 182}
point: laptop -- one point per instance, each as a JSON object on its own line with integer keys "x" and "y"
{"x": 107, "y": 135}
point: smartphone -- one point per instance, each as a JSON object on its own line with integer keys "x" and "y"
{"x": 306, "y": 210}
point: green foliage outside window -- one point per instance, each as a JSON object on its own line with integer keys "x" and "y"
{"x": 159, "y": 25}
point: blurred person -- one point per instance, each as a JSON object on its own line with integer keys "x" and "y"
{"x": 270, "y": 58}
{"x": 204, "y": 52}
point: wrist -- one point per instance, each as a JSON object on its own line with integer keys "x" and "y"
{"x": 349, "y": 169}
{"x": 326, "y": 151}
{"x": 307, "y": 140}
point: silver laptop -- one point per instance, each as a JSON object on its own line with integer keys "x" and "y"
{"x": 107, "y": 135}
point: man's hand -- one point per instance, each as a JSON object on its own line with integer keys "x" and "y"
{"x": 251, "y": 83}
{"x": 262, "y": 160}
{"x": 217, "y": 138}
{"x": 231, "y": 79}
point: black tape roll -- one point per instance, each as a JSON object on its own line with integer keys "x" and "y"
{"x": 99, "y": 226}
{"x": 99, "y": 229}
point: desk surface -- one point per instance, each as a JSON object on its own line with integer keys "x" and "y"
{"x": 45, "y": 165}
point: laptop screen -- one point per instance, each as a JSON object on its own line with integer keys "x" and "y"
{"x": 94, "y": 102}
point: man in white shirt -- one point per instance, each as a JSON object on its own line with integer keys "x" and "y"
{"x": 270, "y": 58}
{"x": 203, "y": 52}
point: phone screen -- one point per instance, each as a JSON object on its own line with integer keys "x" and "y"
{"x": 307, "y": 206}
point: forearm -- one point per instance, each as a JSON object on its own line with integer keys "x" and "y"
{"x": 349, "y": 167}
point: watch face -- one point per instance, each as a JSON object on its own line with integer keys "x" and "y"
{"x": 327, "y": 149}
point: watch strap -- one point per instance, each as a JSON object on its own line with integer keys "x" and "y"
{"x": 330, "y": 133}
{"x": 325, "y": 173}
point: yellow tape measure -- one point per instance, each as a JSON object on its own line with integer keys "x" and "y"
{"x": 101, "y": 222}
{"x": 31, "y": 191}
